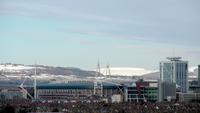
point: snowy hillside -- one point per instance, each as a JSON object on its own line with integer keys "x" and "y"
{"x": 9, "y": 69}
{"x": 14, "y": 67}
{"x": 127, "y": 71}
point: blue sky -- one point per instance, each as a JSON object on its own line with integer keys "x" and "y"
{"x": 123, "y": 33}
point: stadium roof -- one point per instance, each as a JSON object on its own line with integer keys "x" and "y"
{"x": 75, "y": 85}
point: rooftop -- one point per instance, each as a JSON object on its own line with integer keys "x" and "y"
{"x": 76, "y": 85}
{"x": 174, "y": 58}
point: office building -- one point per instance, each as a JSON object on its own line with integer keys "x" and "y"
{"x": 175, "y": 71}
{"x": 141, "y": 91}
{"x": 167, "y": 91}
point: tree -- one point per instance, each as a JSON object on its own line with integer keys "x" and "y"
{"x": 55, "y": 110}
{"x": 8, "y": 109}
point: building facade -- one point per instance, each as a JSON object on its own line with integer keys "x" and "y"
{"x": 167, "y": 90}
{"x": 175, "y": 71}
{"x": 76, "y": 92}
{"x": 188, "y": 97}
{"x": 12, "y": 93}
{"x": 141, "y": 92}
{"x": 134, "y": 92}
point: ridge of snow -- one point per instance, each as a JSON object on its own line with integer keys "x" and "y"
{"x": 13, "y": 67}
{"x": 127, "y": 71}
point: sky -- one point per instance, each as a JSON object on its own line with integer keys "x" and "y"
{"x": 78, "y": 33}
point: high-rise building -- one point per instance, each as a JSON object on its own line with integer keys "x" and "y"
{"x": 175, "y": 70}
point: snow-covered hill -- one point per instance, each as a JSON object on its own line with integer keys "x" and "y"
{"x": 17, "y": 68}
{"x": 127, "y": 71}
{"x": 9, "y": 69}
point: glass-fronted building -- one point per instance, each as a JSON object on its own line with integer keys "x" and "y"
{"x": 175, "y": 71}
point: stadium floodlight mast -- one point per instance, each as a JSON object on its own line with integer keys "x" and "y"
{"x": 99, "y": 82}
{"x": 35, "y": 82}
{"x": 34, "y": 85}
{"x": 24, "y": 90}
{"x": 108, "y": 73}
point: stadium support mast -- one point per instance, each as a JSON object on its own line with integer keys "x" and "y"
{"x": 108, "y": 73}
{"x": 98, "y": 85}
{"x": 35, "y": 82}
{"x": 24, "y": 90}
{"x": 98, "y": 71}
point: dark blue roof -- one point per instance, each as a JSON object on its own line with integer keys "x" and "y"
{"x": 75, "y": 85}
